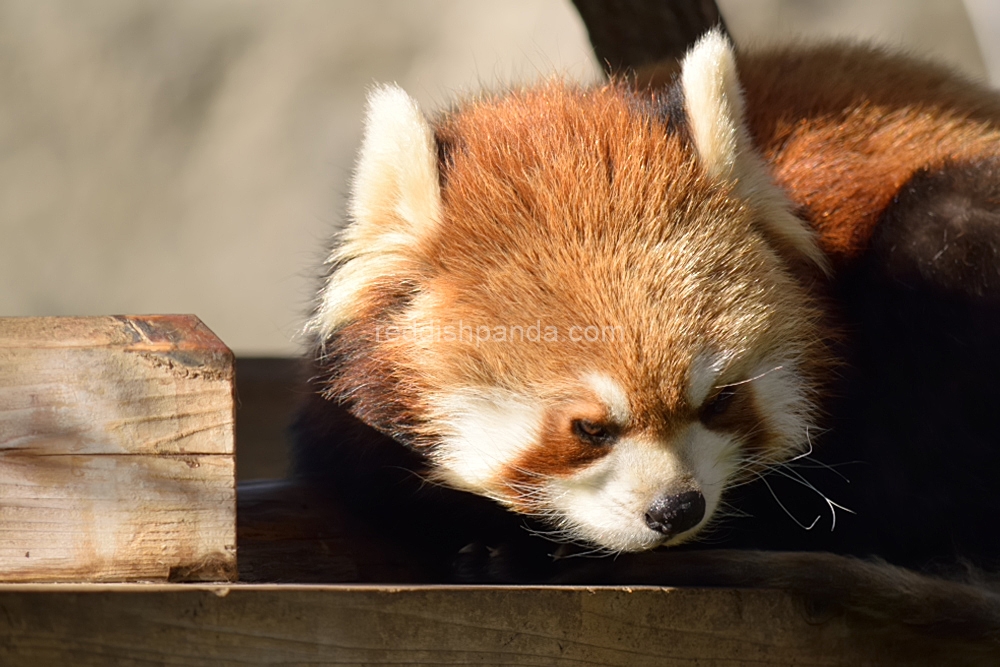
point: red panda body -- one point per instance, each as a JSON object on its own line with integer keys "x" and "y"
{"x": 843, "y": 130}
{"x": 605, "y": 309}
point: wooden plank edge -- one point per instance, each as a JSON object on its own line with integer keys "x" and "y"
{"x": 200, "y": 624}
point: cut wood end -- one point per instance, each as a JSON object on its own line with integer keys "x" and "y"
{"x": 116, "y": 450}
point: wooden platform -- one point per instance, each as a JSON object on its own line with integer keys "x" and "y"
{"x": 62, "y": 624}
{"x": 289, "y": 535}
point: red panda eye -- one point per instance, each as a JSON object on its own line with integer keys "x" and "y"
{"x": 719, "y": 404}
{"x": 593, "y": 433}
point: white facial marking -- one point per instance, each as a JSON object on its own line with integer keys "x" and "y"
{"x": 606, "y": 502}
{"x": 703, "y": 376}
{"x": 784, "y": 405}
{"x": 611, "y": 394}
{"x": 485, "y": 430}
{"x": 713, "y": 457}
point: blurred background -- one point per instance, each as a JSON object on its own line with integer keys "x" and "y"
{"x": 193, "y": 155}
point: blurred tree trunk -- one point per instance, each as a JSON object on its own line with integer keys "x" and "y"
{"x": 630, "y": 34}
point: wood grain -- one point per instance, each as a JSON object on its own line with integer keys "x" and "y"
{"x": 321, "y": 625}
{"x": 116, "y": 450}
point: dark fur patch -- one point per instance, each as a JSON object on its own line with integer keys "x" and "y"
{"x": 942, "y": 230}
{"x": 445, "y": 156}
{"x": 383, "y": 483}
{"x": 920, "y": 409}
{"x": 669, "y": 105}
{"x": 560, "y": 451}
{"x": 741, "y": 417}
{"x": 665, "y": 105}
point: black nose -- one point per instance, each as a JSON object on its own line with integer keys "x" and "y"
{"x": 672, "y": 515}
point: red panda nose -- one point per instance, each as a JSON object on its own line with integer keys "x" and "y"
{"x": 672, "y": 515}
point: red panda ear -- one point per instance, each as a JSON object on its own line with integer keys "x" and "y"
{"x": 395, "y": 203}
{"x": 713, "y": 103}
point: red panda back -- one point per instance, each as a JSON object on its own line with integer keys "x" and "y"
{"x": 843, "y": 128}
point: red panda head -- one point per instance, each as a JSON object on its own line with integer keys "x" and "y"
{"x": 578, "y": 302}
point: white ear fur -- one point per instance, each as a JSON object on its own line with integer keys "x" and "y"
{"x": 713, "y": 103}
{"x": 395, "y": 202}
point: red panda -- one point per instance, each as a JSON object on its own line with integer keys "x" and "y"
{"x": 607, "y": 308}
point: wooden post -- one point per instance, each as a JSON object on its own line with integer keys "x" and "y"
{"x": 116, "y": 450}
{"x": 631, "y": 34}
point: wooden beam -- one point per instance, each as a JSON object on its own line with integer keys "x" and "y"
{"x": 631, "y": 34}
{"x": 320, "y": 625}
{"x": 116, "y": 450}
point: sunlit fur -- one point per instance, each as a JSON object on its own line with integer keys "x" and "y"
{"x": 481, "y": 430}
{"x": 395, "y": 202}
{"x": 481, "y": 241}
{"x": 714, "y": 105}
{"x": 842, "y": 127}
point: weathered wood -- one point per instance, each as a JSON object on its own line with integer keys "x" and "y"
{"x": 250, "y": 625}
{"x": 631, "y": 34}
{"x": 116, "y": 450}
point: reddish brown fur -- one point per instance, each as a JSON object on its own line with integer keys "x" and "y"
{"x": 536, "y": 186}
{"x": 563, "y": 207}
{"x": 594, "y": 174}
{"x": 843, "y": 142}
{"x": 844, "y": 127}
{"x": 559, "y": 451}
